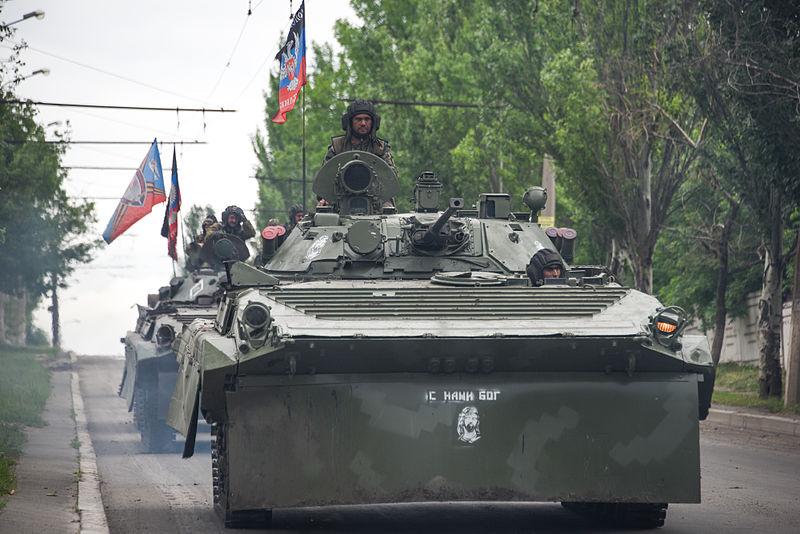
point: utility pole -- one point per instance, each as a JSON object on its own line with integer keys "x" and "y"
{"x": 548, "y": 215}
{"x": 792, "y": 395}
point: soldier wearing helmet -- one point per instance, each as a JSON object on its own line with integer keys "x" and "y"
{"x": 296, "y": 215}
{"x": 545, "y": 264}
{"x": 233, "y": 222}
{"x": 360, "y": 122}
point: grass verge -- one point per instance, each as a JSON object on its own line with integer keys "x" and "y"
{"x": 737, "y": 385}
{"x": 24, "y": 388}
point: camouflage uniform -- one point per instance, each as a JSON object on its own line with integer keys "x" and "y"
{"x": 371, "y": 143}
{"x": 374, "y": 145}
{"x": 244, "y": 231}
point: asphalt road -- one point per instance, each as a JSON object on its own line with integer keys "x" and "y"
{"x": 750, "y": 483}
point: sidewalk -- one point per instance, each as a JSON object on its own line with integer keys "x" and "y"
{"x": 753, "y": 419}
{"x": 47, "y": 485}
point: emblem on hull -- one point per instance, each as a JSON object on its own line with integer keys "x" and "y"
{"x": 469, "y": 425}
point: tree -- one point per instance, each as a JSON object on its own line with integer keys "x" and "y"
{"x": 193, "y": 220}
{"x": 746, "y": 81}
{"x": 42, "y": 231}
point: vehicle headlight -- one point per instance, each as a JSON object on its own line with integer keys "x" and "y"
{"x": 254, "y": 326}
{"x": 165, "y": 335}
{"x": 256, "y": 315}
{"x": 667, "y": 324}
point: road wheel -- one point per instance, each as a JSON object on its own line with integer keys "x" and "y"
{"x": 221, "y": 489}
{"x": 219, "y": 468}
{"x": 626, "y": 515}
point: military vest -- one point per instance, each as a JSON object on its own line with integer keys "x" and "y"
{"x": 376, "y": 146}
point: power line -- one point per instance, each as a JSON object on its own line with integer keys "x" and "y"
{"x": 142, "y": 127}
{"x": 108, "y": 73}
{"x": 67, "y": 142}
{"x": 424, "y": 104}
{"x": 230, "y": 58}
{"x": 104, "y": 106}
{"x": 102, "y": 168}
{"x": 246, "y": 87}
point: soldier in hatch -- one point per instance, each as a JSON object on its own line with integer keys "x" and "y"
{"x": 545, "y": 264}
{"x": 193, "y": 259}
{"x": 360, "y": 122}
{"x": 234, "y": 223}
{"x": 295, "y": 216}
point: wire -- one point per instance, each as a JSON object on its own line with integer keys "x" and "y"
{"x": 100, "y": 168}
{"x": 108, "y": 73}
{"x": 230, "y": 58}
{"x": 68, "y": 142}
{"x": 88, "y": 148}
{"x": 425, "y": 104}
{"x": 132, "y": 125}
{"x": 268, "y": 58}
{"x": 104, "y": 106}
{"x": 246, "y": 87}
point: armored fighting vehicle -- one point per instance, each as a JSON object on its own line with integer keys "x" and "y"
{"x": 383, "y": 357}
{"x": 150, "y": 364}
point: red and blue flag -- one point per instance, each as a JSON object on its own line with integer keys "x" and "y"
{"x": 292, "y": 56}
{"x": 145, "y": 191}
{"x": 170, "y": 227}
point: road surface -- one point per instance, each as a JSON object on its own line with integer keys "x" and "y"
{"x": 749, "y": 483}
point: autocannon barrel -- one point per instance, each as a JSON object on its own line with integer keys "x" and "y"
{"x": 455, "y": 205}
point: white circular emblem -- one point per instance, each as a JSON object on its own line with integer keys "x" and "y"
{"x": 469, "y": 425}
{"x": 316, "y": 247}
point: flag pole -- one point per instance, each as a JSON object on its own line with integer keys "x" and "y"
{"x": 303, "y": 108}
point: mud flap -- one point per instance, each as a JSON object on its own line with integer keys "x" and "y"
{"x": 183, "y": 406}
{"x": 191, "y": 433}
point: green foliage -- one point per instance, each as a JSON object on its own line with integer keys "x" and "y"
{"x": 737, "y": 385}
{"x": 740, "y": 378}
{"x": 193, "y": 220}
{"x": 610, "y": 90}
{"x": 24, "y": 389}
{"x": 42, "y": 231}
{"x": 37, "y": 337}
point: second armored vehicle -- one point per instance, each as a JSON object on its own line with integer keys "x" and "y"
{"x": 150, "y": 364}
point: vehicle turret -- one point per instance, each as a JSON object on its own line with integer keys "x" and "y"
{"x": 436, "y": 236}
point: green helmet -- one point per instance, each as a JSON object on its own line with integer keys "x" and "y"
{"x": 357, "y": 107}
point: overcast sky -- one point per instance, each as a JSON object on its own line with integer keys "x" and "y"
{"x": 177, "y": 50}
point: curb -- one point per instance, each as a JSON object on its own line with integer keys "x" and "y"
{"x": 90, "y": 502}
{"x": 749, "y": 421}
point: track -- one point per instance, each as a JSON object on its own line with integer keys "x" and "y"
{"x": 749, "y": 485}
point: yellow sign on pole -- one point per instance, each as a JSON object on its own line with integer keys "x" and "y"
{"x": 546, "y": 221}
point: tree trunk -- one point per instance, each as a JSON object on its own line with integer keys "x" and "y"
{"x": 3, "y": 300}
{"x": 495, "y": 178}
{"x": 56, "y": 326}
{"x": 770, "y": 308}
{"x": 16, "y": 318}
{"x": 643, "y": 256}
{"x": 793, "y": 359}
{"x": 721, "y": 312}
